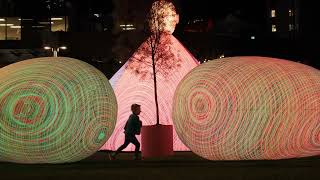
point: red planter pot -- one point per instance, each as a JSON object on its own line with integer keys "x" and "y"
{"x": 156, "y": 141}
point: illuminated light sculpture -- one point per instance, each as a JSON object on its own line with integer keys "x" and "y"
{"x": 134, "y": 83}
{"x": 246, "y": 108}
{"x": 54, "y": 110}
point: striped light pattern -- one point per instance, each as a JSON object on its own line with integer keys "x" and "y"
{"x": 245, "y": 108}
{"x": 131, "y": 88}
{"x": 54, "y": 110}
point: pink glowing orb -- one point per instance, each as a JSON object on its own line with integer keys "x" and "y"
{"x": 245, "y": 108}
{"x": 133, "y": 84}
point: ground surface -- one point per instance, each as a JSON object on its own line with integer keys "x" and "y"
{"x": 183, "y": 165}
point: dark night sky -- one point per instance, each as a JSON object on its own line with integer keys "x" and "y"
{"x": 218, "y": 9}
{"x": 213, "y": 8}
{"x": 248, "y": 12}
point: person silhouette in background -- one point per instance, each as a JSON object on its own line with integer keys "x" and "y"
{"x": 131, "y": 129}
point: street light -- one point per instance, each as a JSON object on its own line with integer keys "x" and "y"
{"x": 55, "y": 50}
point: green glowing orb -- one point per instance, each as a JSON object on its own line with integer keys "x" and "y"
{"x": 54, "y": 110}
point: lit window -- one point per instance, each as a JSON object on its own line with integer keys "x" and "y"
{"x": 291, "y": 27}
{"x": 2, "y": 28}
{"x": 290, "y": 12}
{"x": 14, "y": 32}
{"x": 59, "y": 24}
{"x": 127, "y": 27}
{"x": 274, "y": 28}
{"x": 253, "y": 37}
{"x": 273, "y": 13}
{"x": 10, "y": 28}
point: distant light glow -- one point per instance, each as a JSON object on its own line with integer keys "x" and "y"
{"x": 38, "y": 26}
{"x": 56, "y": 19}
{"x": 126, "y": 25}
{"x": 46, "y": 22}
{"x": 25, "y": 19}
{"x": 128, "y": 28}
{"x": 273, "y": 13}
{"x": 274, "y": 28}
{"x": 291, "y": 27}
{"x": 15, "y": 27}
{"x": 6, "y": 25}
{"x": 290, "y": 13}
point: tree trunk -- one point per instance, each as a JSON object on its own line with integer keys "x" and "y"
{"x": 155, "y": 87}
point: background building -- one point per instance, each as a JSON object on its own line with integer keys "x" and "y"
{"x": 293, "y": 29}
{"x": 105, "y": 33}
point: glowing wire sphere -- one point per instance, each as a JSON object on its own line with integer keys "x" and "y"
{"x": 249, "y": 108}
{"x": 54, "y": 110}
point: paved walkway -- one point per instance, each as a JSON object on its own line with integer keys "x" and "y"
{"x": 183, "y": 165}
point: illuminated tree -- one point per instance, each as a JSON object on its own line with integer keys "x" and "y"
{"x": 162, "y": 20}
{"x": 134, "y": 83}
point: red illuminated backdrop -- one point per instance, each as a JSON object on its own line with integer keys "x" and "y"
{"x": 133, "y": 87}
{"x": 135, "y": 83}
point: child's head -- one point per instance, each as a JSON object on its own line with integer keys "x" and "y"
{"x": 136, "y": 109}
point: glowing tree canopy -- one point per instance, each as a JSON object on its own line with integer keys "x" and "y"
{"x": 54, "y": 110}
{"x": 163, "y": 17}
{"x": 249, "y": 108}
